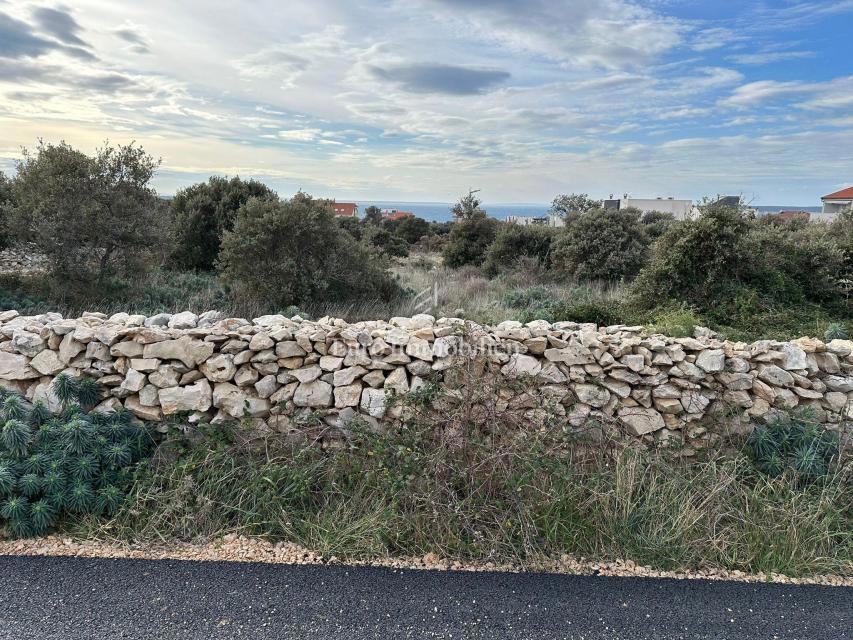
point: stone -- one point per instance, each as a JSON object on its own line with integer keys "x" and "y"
{"x": 145, "y": 365}
{"x": 27, "y": 343}
{"x": 573, "y": 354}
{"x": 260, "y": 342}
{"x": 98, "y": 351}
{"x": 191, "y": 351}
{"x": 230, "y": 399}
{"x": 592, "y": 395}
{"x": 148, "y": 396}
{"x": 735, "y": 381}
{"x": 347, "y": 376}
{"x": 776, "y": 376}
{"x": 307, "y": 374}
{"x": 266, "y": 386}
{"x": 521, "y": 365}
{"x": 194, "y": 397}
{"x": 183, "y": 320}
{"x": 134, "y": 381}
{"x": 289, "y": 349}
{"x": 828, "y": 362}
{"x": 835, "y": 383}
{"x": 330, "y": 363}
{"x": 165, "y": 376}
{"x": 127, "y": 348}
{"x": 143, "y": 412}
{"x": 348, "y": 395}
{"x": 69, "y": 348}
{"x": 711, "y": 360}
{"x": 397, "y": 381}
{"x": 46, "y": 362}
{"x": 374, "y": 379}
{"x": 159, "y": 320}
{"x": 794, "y": 358}
{"x": 373, "y": 402}
{"x": 316, "y": 394}
{"x": 634, "y": 362}
{"x": 640, "y": 420}
{"x": 246, "y": 375}
{"x": 668, "y": 406}
{"x": 219, "y": 368}
{"x": 419, "y": 348}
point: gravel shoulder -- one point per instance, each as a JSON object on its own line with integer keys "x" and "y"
{"x": 235, "y": 548}
{"x": 69, "y": 598}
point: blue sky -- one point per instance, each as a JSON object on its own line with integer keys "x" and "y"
{"x": 419, "y": 100}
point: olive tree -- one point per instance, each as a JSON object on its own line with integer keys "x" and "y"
{"x": 91, "y": 216}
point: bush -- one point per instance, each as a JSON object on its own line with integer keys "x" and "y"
{"x": 73, "y": 462}
{"x": 91, "y": 216}
{"x": 514, "y": 242}
{"x": 291, "y": 252}
{"x": 601, "y": 245}
{"x": 203, "y": 212}
{"x": 6, "y": 204}
{"x": 386, "y": 242}
{"x": 796, "y": 443}
{"x": 409, "y": 228}
{"x": 469, "y": 240}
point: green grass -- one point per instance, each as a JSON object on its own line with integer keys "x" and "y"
{"x": 470, "y": 495}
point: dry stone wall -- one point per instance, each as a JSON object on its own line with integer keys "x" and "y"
{"x": 268, "y": 369}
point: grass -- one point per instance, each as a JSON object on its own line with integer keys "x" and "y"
{"x": 470, "y": 481}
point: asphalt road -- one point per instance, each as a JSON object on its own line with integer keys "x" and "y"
{"x": 71, "y": 598}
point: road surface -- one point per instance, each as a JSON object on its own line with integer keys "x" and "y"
{"x": 78, "y": 598}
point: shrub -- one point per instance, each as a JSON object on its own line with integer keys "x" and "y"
{"x": 514, "y": 242}
{"x": 74, "y": 462}
{"x": 676, "y": 322}
{"x": 601, "y": 245}
{"x": 291, "y": 252}
{"x": 655, "y": 223}
{"x": 409, "y": 228}
{"x": 203, "y": 212}
{"x": 836, "y": 331}
{"x": 91, "y": 216}
{"x": 574, "y": 204}
{"x": 386, "y": 242}
{"x": 469, "y": 240}
{"x": 6, "y": 204}
{"x": 796, "y": 443}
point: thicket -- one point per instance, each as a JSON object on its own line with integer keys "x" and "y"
{"x": 203, "y": 213}
{"x": 73, "y": 462}
{"x": 514, "y": 243}
{"x": 287, "y": 252}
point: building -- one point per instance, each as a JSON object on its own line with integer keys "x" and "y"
{"x": 792, "y": 215}
{"x": 395, "y": 214}
{"x": 550, "y": 220}
{"x": 680, "y": 209}
{"x": 344, "y": 209}
{"x": 835, "y": 203}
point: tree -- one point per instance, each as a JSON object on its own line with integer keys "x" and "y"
{"x": 514, "y": 242}
{"x": 469, "y": 240}
{"x": 573, "y": 204}
{"x": 292, "y": 253}
{"x": 409, "y": 228}
{"x": 203, "y": 212}
{"x": 91, "y": 216}
{"x": 373, "y": 215}
{"x": 468, "y": 207}
{"x": 382, "y": 239}
{"x": 6, "y": 204}
{"x": 601, "y": 245}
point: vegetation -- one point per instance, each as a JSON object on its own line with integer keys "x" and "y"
{"x": 602, "y": 245}
{"x": 203, "y": 213}
{"x": 514, "y": 243}
{"x": 73, "y": 462}
{"x": 463, "y": 479}
{"x": 573, "y": 204}
{"x": 93, "y": 217}
{"x": 797, "y": 444}
{"x": 283, "y": 253}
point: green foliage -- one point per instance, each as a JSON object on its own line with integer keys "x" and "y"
{"x": 514, "y": 242}
{"x": 573, "y": 204}
{"x": 383, "y": 240}
{"x": 469, "y": 206}
{"x": 409, "y": 228}
{"x": 469, "y": 240}
{"x": 203, "y": 213}
{"x": 676, "y": 322}
{"x": 373, "y": 215}
{"x": 291, "y": 252}
{"x": 6, "y": 204}
{"x": 91, "y": 216}
{"x": 72, "y": 462}
{"x": 796, "y": 443}
{"x": 601, "y": 245}
{"x": 538, "y": 303}
{"x": 836, "y": 331}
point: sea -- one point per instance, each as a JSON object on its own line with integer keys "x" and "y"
{"x": 440, "y": 211}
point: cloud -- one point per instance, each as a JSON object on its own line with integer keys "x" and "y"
{"x": 754, "y": 93}
{"x": 60, "y": 24}
{"x": 441, "y": 78}
{"x": 769, "y": 57}
{"x": 131, "y": 34}
{"x": 274, "y": 62}
{"x": 19, "y": 40}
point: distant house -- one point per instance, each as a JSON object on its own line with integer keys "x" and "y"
{"x": 793, "y": 215}
{"x": 680, "y": 209}
{"x": 541, "y": 221}
{"x": 344, "y": 209}
{"x": 396, "y": 214}
{"x": 835, "y": 203}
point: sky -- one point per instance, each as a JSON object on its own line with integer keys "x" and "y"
{"x": 420, "y": 100}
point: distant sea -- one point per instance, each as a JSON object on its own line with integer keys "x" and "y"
{"x": 440, "y": 211}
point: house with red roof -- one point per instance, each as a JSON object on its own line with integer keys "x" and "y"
{"x": 396, "y": 214}
{"x": 835, "y": 203}
{"x": 344, "y": 209}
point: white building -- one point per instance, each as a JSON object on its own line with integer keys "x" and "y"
{"x": 835, "y": 203}
{"x": 680, "y": 209}
{"x": 549, "y": 220}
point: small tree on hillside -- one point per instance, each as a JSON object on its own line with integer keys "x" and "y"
{"x": 203, "y": 212}
{"x": 373, "y": 215}
{"x": 91, "y": 216}
{"x": 468, "y": 207}
{"x": 567, "y": 205}
{"x": 6, "y": 205}
{"x": 471, "y": 233}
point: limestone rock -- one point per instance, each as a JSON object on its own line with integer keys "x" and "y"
{"x": 640, "y": 420}
{"x": 315, "y": 394}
